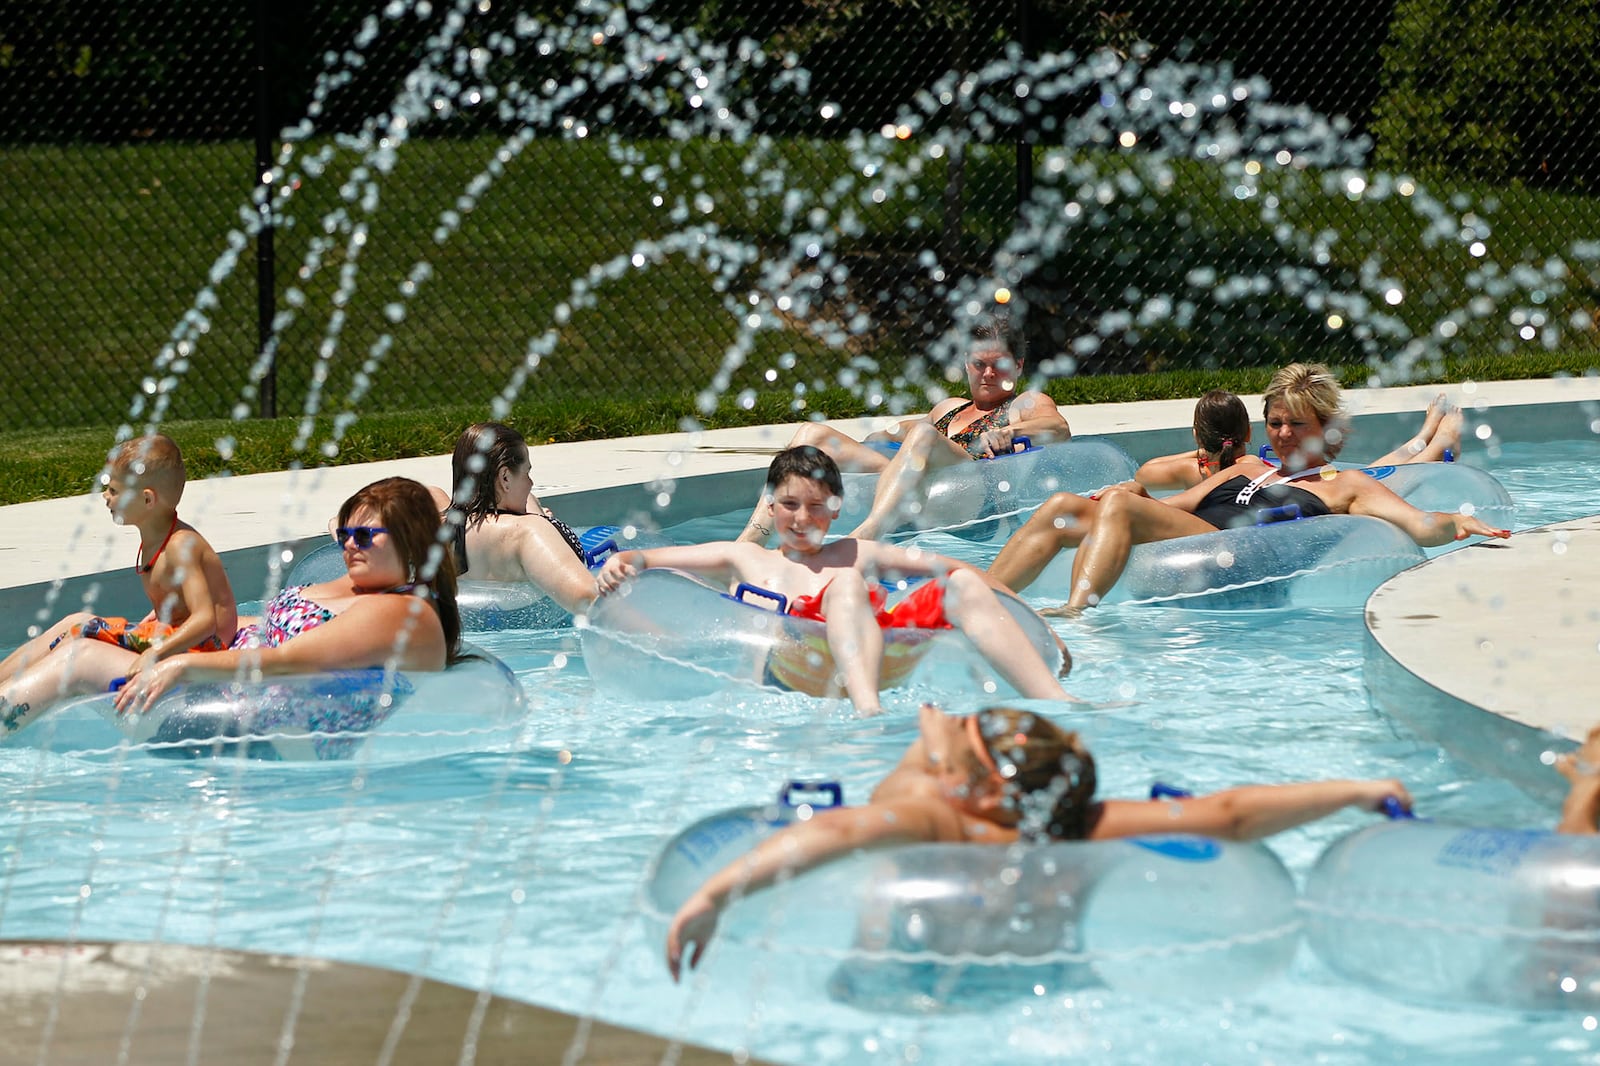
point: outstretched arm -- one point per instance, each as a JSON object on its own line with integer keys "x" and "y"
{"x": 827, "y": 836}
{"x": 368, "y": 633}
{"x": 1247, "y": 813}
{"x": 1428, "y": 528}
{"x": 715, "y": 561}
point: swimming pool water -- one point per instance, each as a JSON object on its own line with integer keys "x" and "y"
{"x": 519, "y": 869}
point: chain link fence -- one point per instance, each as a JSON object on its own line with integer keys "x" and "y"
{"x": 474, "y": 200}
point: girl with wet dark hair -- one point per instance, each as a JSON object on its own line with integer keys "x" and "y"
{"x": 501, "y": 530}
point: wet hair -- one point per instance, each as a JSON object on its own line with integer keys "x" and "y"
{"x": 805, "y": 461}
{"x": 1309, "y": 388}
{"x": 406, "y": 509}
{"x": 153, "y": 461}
{"x": 996, "y": 332}
{"x": 1221, "y": 425}
{"x": 482, "y": 451}
{"x": 1049, "y": 772}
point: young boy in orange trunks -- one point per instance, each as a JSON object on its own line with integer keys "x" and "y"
{"x": 193, "y": 608}
{"x": 837, "y": 583}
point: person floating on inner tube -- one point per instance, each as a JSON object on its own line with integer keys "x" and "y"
{"x": 1231, "y": 496}
{"x": 503, "y": 532}
{"x": 192, "y": 607}
{"x": 1438, "y": 439}
{"x": 837, "y": 583}
{"x": 1222, "y": 436}
{"x": 954, "y": 431}
{"x": 993, "y": 778}
{"x": 394, "y": 607}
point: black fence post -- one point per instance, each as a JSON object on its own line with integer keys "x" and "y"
{"x": 1024, "y": 140}
{"x": 266, "y": 291}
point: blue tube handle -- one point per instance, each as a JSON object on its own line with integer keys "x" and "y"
{"x": 116, "y": 685}
{"x": 1159, "y": 790}
{"x": 756, "y": 596}
{"x": 1289, "y": 512}
{"x": 595, "y": 557}
{"x": 1394, "y": 812}
{"x": 832, "y": 791}
{"x": 1019, "y": 445}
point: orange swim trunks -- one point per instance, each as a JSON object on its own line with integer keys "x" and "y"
{"x": 136, "y": 637}
{"x": 923, "y": 609}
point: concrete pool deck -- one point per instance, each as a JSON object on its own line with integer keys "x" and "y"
{"x": 147, "y": 1003}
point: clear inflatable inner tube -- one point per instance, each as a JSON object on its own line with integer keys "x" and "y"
{"x": 1328, "y": 561}
{"x": 987, "y": 500}
{"x": 319, "y": 717}
{"x": 494, "y": 605}
{"x": 666, "y": 635}
{"x": 1443, "y": 913}
{"x": 939, "y": 924}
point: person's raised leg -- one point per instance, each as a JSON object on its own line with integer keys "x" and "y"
{"x": 855, "y": 641}
{"x": 80, "y": 668}
{"x": 973, "y": 607}
{"x": 33, "y": 650}
{"x": 1059, "y": 524}
{"x": 1122, "y": 520}
{"x": 925, "y": 449}
{"x": 1440, "y": 433}
{"x": 849, "y": 454}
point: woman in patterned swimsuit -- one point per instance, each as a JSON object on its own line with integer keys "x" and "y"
{"x": 955, "y": 431}
{"x": 394, "y": 607}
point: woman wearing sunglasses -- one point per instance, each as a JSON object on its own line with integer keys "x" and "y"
{"x": 993, "y": 778}
{"x": 394, "y": 607}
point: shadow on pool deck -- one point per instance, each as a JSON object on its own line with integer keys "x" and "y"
{"x": 167, "y": 1003}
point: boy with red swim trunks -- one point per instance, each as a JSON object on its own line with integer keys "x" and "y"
{"x": 192, "y": 601}
{"x": 837, "y": 583}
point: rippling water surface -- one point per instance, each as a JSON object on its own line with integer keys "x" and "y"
{"x": 519, "y": 870}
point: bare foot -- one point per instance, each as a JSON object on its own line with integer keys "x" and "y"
{"x": 1064, "y": 610}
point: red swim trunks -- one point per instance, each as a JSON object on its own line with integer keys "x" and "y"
{"x": 136, "y": 637}
{"x": 923, "y": 609}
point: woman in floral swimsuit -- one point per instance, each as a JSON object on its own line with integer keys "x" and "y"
{"x": 390, "y": 609}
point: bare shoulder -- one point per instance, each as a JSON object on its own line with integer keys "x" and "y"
{"x": 1033, "y": 399}
{"x": 945, "y": 406}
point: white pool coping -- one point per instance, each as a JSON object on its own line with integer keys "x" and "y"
{"x": 1479, "y": 625}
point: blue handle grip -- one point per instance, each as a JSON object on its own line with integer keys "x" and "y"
{"x": 1158, "y": 790}
{"x": 832, "y": 791}
{"x": 116, "y": 686}
{"x": 1394, "y": 812}
{"x": 757, "y": 596}
{"x": 1019, "y": 445}
{"x": 594, "y": 557}
{"x": 1289, "y": 512}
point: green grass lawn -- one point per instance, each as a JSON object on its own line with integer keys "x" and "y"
{"x": 107, "y": 250}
